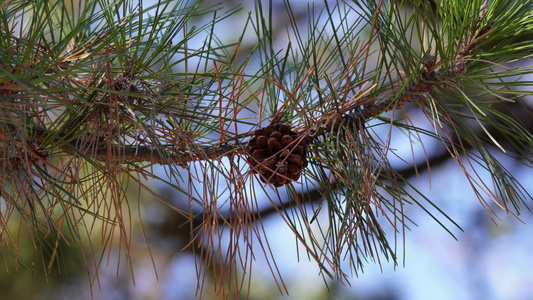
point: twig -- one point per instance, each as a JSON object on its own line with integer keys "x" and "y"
{"x": 177, "y": 155}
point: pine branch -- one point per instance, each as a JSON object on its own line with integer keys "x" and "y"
{"x": 316, "y": 195}
{"x": 430, "y": 78}
{"x": 89, "y": 101}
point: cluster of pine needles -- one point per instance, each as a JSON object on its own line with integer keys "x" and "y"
{"x": 94, "y": 94}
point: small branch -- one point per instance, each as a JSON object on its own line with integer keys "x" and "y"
{"x": 177, "y": 155}
{"x": 430, "y": 77}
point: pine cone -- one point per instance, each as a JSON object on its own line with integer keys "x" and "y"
{"x": 276, "y": 153}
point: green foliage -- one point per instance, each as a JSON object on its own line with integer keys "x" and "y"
{"x": 93, "y": 96}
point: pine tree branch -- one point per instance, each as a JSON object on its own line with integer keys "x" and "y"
{"x": 435, "y": 74}
{"x": 179, "y": 156}
{"x": 134, "y": 110}
{"x": 430, "y": 78}
{"x": 315, "y": 195}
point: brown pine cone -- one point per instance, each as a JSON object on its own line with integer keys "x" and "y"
{"x": 276, "y": 153}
